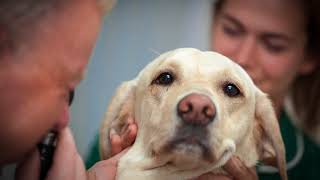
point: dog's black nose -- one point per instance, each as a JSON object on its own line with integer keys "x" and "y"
{"x": 196, "y": 109}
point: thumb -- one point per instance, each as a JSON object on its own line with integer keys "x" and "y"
{"x": 29, "y": 168}
{"x": 116, "y": 158}
{"x": 237, "y": 169}
{"x": 106, "y": 169}
{"x": 67, "y": 163}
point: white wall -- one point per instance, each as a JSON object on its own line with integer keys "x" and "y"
{"x": 131, "y": 34}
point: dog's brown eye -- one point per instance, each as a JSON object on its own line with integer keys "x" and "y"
{"x": 164, "y": 79}
{"x": 231, "y": 90}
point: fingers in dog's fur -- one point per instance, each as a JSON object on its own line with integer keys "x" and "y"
{"x": 116, "y": 146}
{"x": 238, "y": 170}
{"x": 129, "y": 136}
{"x": 116, "y": 118}
{"x": 211, "y": 176}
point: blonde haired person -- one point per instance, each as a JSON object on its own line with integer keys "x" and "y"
{"x": 45, "y": 46}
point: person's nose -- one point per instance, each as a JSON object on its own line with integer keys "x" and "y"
{"x": 196, "y": 109}
{"x": 244, "y": 54}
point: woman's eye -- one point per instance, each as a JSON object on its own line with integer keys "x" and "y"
{"x": 164, "y": 79}
{"x": 231, "y": 90}
{"x": 231, "y": 31}
{"x": 275, "y": 46}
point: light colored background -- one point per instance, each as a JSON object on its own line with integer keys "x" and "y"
{"x": 132, "y": 35}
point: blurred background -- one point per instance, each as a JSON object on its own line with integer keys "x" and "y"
{"x": 133, "y": 34}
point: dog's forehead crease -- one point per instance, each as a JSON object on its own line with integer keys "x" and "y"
{"x": 192, "y": 64}
{"x": 191, "y": 61}
{"x": 195, "y": 58}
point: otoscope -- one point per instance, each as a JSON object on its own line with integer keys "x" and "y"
{"x": 47, "y": 146}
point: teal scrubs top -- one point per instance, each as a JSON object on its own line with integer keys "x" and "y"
{"x": 302, "y": 154}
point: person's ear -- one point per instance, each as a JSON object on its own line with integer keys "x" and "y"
{"x": 120, "y": 108}
{"x": 271, "y": 146}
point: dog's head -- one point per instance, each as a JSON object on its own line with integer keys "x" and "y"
{"x": 195, "y": 109}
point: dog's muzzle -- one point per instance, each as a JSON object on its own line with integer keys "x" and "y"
{"x": 196, "y": 111}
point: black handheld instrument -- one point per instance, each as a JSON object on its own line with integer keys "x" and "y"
{"x": 46, "y": 150}
{"x": 47, "y": 147}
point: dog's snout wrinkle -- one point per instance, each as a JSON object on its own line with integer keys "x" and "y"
{"x": 193, "y": 139}
{"x": 196, "y": 109}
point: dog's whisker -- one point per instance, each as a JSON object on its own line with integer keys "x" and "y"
{"x": 154, "y": 51}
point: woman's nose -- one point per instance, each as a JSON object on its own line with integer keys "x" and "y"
{"x": 244, "y": 54}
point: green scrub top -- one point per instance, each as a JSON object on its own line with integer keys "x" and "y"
{"x": 302, "y": 155}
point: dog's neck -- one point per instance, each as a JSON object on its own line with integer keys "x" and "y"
{"x": 247, "y": 150}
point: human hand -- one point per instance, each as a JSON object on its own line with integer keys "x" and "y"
{"x": 126, "y": 137}
{"x": 67, "y": 163}
{"x": 236, "y": 170}
{"x": 106, "y": 169}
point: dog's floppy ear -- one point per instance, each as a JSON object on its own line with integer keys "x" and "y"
{"x": 271, "y": 146}
{"x": 119, "y": 109}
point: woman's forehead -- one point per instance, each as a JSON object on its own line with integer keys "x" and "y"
{"x": 282, "y": 16}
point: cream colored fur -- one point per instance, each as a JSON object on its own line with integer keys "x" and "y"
{"x": 244, "y": 125}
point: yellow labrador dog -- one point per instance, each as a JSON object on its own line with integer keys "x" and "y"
{"x": 194, "y": 111}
